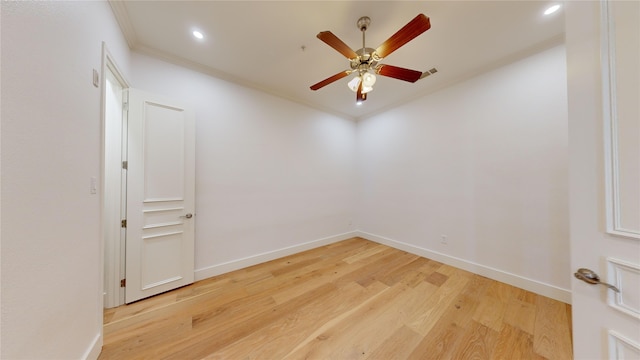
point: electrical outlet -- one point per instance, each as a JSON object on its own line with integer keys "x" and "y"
{"x": 443, "y": 239}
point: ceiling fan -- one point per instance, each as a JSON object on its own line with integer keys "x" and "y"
{"x": 364, "y": 61}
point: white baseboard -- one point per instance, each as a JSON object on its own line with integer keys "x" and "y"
{"x": 535, "y": 286}
{"x": 210, "y": 271}
{"x": 95, "y": 349}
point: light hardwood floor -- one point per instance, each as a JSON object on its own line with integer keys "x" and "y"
{"x": 354, "y": 299}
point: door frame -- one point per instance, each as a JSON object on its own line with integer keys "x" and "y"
{"x": 112, "y": 235}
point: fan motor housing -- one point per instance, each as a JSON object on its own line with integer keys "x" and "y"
{"x": 366, "y": 59}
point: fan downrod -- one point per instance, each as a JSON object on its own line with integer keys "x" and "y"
{"x": 365, "y": 59}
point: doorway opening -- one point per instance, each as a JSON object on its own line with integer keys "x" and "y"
{"x": 114, "y": 180}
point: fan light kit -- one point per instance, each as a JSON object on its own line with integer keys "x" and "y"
{"x": 364, "y": 62}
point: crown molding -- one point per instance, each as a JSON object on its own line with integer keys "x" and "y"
{"x": 207, "y": 70}
{"x": 122, "y": 17}
{"x": 525, "y": 53}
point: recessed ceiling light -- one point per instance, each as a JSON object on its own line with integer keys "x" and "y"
{"x": 552, "y": 9}
{"x": 198, "y": 35}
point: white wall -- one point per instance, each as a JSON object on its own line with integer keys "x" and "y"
{"x": 271, "y": 175}
{"x": 483, "y": 162}
{"x": 51, "y": 147}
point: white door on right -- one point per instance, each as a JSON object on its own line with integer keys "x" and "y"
{"x": 603, "y": 59}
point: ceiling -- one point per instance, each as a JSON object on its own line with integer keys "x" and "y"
{"x": 272, "y": 45}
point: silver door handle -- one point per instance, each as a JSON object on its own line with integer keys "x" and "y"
{"x": 592, "y": 278}
{"x": 188, "y": 216}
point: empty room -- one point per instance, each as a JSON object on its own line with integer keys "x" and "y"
{"x": 320, "y": 179}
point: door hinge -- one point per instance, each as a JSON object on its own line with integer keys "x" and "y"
{"x": 123, "y": 282}
{"x": 123, "y": 223}
{"x": 125, "y": 165}
{"x": 125, "y": 106}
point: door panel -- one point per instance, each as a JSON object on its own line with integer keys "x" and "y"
{"x": 160, "y": 198}
{"x": 621, "y": 114}
{"x": 602, "y": 40}
{"x": 164, "y": 151}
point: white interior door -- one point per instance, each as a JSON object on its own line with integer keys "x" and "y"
{"x": 603, "y": 57}
{"x": 160, "y": 196}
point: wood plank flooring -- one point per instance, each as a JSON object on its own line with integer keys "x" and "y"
{"x": 354, "y": 299}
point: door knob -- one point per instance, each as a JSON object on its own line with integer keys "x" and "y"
{"x": 592, "y": 278}
{"x": 188, "y": 216}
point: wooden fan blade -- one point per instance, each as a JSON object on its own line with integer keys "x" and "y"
{"x": 339, "y": 45}
{"x": 360, "y": 97}
{"x": 415, "y": 27}
{"x": 399, "y": 73}
{"x": 329, "y": 80}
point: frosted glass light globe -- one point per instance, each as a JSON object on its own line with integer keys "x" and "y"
{"x": 368, "y": 80}
{"x": 354, "y": 83}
